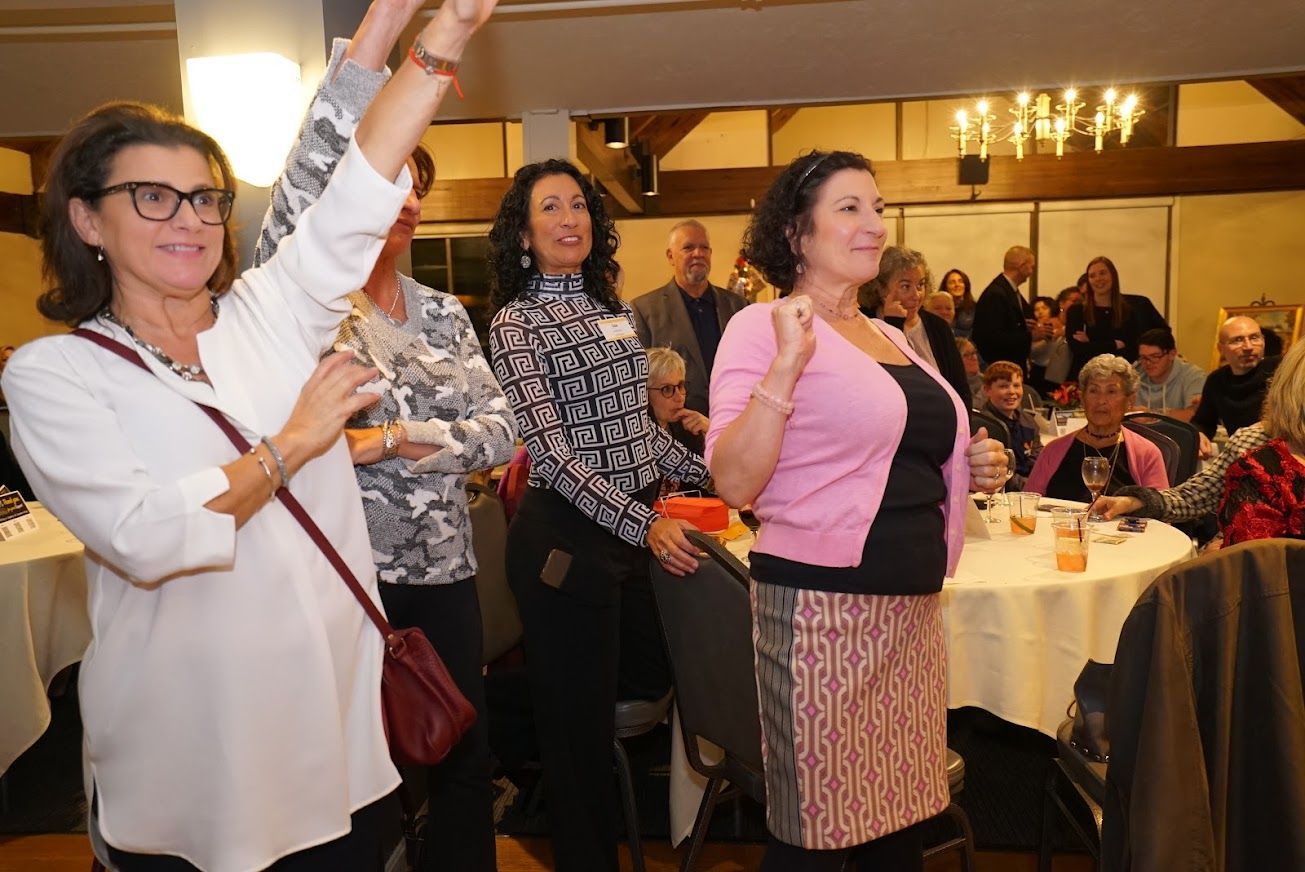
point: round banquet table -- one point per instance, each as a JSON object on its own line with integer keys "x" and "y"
{"x": 43, "y": 626}
{"x": 1019, "y": 630}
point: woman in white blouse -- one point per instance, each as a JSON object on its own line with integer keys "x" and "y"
{"x": 230, "y": 693}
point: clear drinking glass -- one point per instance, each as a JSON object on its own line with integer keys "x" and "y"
{"x": 1010, "y": 472}
{"x": 1071, "y": 535}
{"x": 1023, "y": 512}
{"x": 1096, "y": 475}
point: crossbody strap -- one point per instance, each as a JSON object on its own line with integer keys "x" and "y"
{"x": 293, "y": 506}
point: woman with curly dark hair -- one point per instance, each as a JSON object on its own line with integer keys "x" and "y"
{"x": 857, "y": 459}
{"x": 564, "y": 348}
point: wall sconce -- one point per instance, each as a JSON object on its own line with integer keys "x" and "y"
{"x": 649, "y": 173}
{"x": 255, "y": 131}
{"x": 616, "y": 132}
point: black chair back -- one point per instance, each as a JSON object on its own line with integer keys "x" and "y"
{"x": 707, "y": 619}
{"x": 1183, "y": 433}
{"x": 1169, "y": 449}
{"x": 997, "y": 428}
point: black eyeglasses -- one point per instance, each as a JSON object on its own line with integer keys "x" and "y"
{"x": 669, "y": 391}
{"x": 155, "y": 201}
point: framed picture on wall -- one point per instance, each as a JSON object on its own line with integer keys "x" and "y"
{"x": 1284, "y": 322}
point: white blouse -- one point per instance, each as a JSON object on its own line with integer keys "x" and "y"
{"x": 231, "y": 691}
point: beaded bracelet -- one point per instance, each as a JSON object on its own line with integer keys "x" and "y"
{"x": 271, "y": 485}
{"x": 766, "y": 398}
{"x": 280, "y": 461}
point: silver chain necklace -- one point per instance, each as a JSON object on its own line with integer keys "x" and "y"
{"x": 187, "y": 371}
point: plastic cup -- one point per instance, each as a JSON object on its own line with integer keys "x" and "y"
{"x": 1071, "y": 533}
{"x": 1023, "y": 512}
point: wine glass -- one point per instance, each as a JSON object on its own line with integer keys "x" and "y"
{"x": 1096, "y": 475}
{"x": 1005, "y": 477}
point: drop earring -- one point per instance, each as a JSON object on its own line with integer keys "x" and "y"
{"x": 525, "y": 260}
{"x": 99, "y": 254}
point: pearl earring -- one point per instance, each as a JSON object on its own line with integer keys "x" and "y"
{"x": 99, "y": 254}
{"x": 525, "y": 260}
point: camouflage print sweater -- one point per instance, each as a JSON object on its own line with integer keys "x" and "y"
{"x": 434, "y": 377}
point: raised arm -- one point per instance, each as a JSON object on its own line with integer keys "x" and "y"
{"x": 354, "y": 76}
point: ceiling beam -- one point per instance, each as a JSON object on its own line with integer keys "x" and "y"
{"x": 610, "y": 166}
{"x": 779, "y": 116}
{"x": 1127, "y": 172}
{"x": 663, "y": 131}
{"x": 1288, "y": 92}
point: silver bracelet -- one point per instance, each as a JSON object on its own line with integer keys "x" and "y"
{"x": 253, "y": 452}
{"x": 280, "y": 461}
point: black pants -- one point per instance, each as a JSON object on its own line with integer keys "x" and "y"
{"x": 572, "y": 644}
{"x": 902, "y": 851}
{"x": 358, "y": 851}
{"x": 460, "y": 823}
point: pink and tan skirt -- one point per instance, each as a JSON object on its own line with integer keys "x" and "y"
{"x": 852, "y": 690}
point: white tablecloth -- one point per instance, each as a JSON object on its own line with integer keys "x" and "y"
{"x": 43, "y": 627}
{"x": 1018, "y": 630}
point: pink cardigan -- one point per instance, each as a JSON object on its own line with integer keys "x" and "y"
{"x": 839, "y": 443}
{"x": 1145, "y": 463}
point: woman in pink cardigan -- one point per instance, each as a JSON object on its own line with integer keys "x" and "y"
{"x": 1109, "y": 386}
{"x": 857, "y": 459}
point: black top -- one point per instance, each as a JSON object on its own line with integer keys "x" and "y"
{"x": 1141, "y": 316}
{"x": 706, "y": 324}
{"x": 1233, "y": 399}
{"x": 1066, "y": 482}
{"x": 905, "y": 551}
{"x": 942, "y": 342}
{"x": 999, "y": 329}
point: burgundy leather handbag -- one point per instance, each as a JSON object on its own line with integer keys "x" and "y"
{"x": 423, "y": 711}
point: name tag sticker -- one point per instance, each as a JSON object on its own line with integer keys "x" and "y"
{"x": 15, "y": 517}
{"x": 616, "y": 328}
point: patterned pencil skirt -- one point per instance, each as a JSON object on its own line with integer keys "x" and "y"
{"x": 852, "y": 690}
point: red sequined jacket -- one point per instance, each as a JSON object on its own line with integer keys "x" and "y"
{"x": 1264, "y": 496}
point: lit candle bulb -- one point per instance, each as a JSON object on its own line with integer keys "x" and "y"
{"x": 1098, "y": 129}
{"x": 1110, "y": 96}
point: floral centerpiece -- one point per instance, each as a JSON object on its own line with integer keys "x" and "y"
{"x": 1064, "y": 397}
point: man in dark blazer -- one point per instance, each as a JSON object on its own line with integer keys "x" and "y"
{"x": 689, "y": 313}
{"x": 1003, "y": 319}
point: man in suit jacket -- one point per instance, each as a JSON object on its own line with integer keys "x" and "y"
{"x": 1003, "y": 319}
{"x": 689, "y": 313}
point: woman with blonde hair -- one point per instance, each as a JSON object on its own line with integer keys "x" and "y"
{"x": 666, "y": 393}
{"x": 1264, "y": 496}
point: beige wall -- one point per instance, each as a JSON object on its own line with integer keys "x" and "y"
{"x": 1222, "y": 113}
{"x": 467, "y": 151}
{"x": 870, "y": 129}
{"x": 723, "y": 139}
{"x": 1230, "y": 249}
{"x": 20, "y": 264}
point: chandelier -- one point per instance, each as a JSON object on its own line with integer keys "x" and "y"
{"x": 1032, "y": 117}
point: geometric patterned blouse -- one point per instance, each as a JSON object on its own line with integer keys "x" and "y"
{"x": 577, "y": 380}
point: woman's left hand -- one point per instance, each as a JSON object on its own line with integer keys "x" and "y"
{"x": 987, "y": 462}
{"x": 671, "y": 547}
{"x": 694, "y": 422}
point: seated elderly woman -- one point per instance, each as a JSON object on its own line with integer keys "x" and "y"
{"x": 943, "y": 305}
{"x": 666, "y": 394}
{"x": 1003, "y": 388}
{"x": 1108, "y": 384}
{"x": 1265, "y": 491}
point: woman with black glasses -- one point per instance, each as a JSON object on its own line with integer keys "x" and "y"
{"x": 230, "y": 693}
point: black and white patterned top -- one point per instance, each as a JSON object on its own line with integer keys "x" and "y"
{"x": 1200, "y": 494}
{"x": 434, "y": 377}
{"x": 577, "y": 378}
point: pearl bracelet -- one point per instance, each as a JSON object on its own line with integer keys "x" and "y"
{"x": 766, "y": 398}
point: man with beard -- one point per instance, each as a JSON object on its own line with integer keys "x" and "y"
{"x": 689, "y": 313}
{"x": 1234, "y": 392}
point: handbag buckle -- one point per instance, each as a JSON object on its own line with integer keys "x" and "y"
{"x": 395, "y": 645}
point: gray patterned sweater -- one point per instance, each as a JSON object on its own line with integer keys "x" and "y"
{"x": 434, "y": 377}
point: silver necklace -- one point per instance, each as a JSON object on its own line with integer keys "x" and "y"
{"x": 398, "y": 292}
{"x": 187, "y": 371}
{"x": 834, "y": 313}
